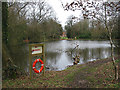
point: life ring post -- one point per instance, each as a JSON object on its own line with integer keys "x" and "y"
{"x": 36, "y": 50}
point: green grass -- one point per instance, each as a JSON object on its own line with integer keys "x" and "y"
{"x": 113, "y": 85}
{"x": 63, "y": 38}
{"x": 99, "y": 76}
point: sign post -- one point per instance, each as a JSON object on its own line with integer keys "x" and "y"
{"x": 36, "y": 50}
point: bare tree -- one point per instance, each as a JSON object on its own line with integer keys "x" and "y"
{"x": 104, "y": 12}
{"x": 20, "y": 8}
{"x": 40, "y": 11}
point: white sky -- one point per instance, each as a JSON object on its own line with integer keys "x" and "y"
{"x": 61, "y": 14}
{"x": 59, "y": 11}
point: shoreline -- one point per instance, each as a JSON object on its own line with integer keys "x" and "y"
{"x": 93, "y": 74}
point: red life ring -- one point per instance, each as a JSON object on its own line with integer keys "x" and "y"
{"x": 42, "y": 65}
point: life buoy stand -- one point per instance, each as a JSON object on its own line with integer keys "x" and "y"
{"x": 34, "y": 63}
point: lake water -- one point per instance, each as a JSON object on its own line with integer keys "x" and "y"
{"x": 58, "y": 53}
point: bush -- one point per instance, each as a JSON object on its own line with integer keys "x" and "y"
{"x": 11, "y": 71}
{"x": 85, "y": 35}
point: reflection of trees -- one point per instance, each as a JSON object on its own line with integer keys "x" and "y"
{"x": 85, "y": 54}
{"x": 52, "y": 57}
{"x": 20, "y": 55}
{"x": 94, "y": 53}
{"x": 70, "y": 53}
{"x": 90, "y": 54}
{"x": 56, "y": 61}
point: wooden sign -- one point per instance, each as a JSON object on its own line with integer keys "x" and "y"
{"x": 36, "y": 49}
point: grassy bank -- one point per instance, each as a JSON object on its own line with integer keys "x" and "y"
{"x": 96, "y": 74}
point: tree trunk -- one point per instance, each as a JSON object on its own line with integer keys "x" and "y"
{"x": 112, "y": 55}
{"x": 112, "y": 48}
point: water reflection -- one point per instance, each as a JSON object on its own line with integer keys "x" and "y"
{"x": 58, "y": 53}
{"x": 93, "y": 54}
{"x": 57, "y": 61}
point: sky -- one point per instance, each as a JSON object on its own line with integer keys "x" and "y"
{"x": 61, "y": 14}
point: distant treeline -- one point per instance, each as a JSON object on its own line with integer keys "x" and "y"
{"x": 86, "y": 29}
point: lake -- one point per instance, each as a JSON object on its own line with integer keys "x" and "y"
{"x": 58, "y": 53}
{"x": 59, "y": 56}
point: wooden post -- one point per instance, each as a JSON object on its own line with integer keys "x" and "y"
{"x": 44, "y": 60}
